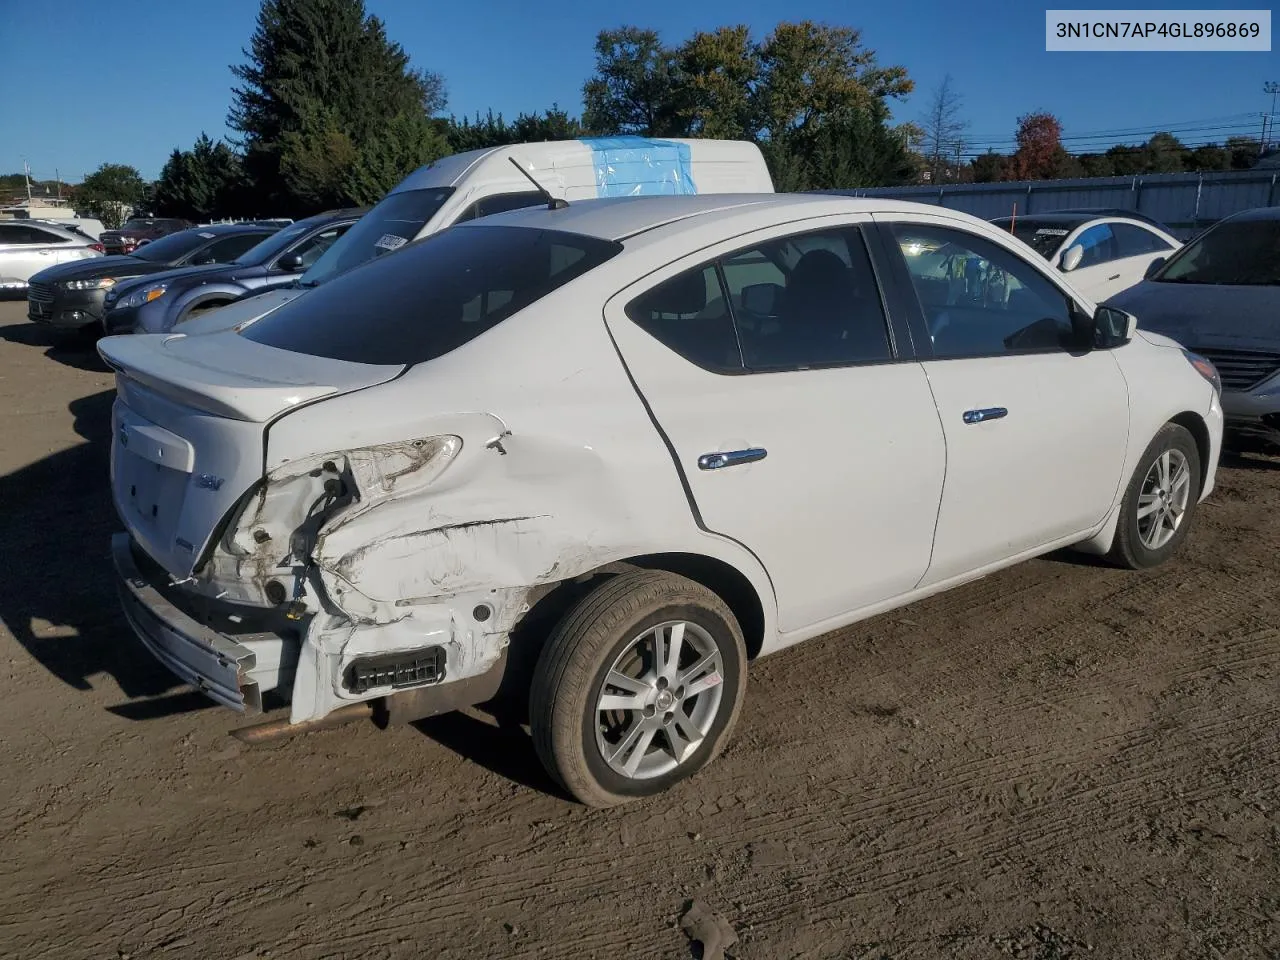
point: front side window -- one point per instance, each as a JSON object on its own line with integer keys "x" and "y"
{"x": 1243, "y": 252}
{"x": 979, "y": 299}
{"x": 313, "y": 248}
{"x": 1099, "y": 245}
{"x": 433, "y": 297}
{"x": 808, "y": 300}
{"x": 1135, "y": 241}
{"x": 394, "y": 221}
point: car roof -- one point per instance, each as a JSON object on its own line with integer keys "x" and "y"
{"x": 1084, "y": 215}
{"x": 329, "y": 216}
{"x": 617, "y": 218}
{"x": 1257, "y": 213}
{"x": 232, "y": 228}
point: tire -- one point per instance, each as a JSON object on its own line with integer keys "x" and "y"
{"x": 609, "y": 628}
{"x": 1134, "y": 546}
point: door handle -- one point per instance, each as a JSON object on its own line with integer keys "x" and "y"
{"x": 984, "y": 414}
{"x": 730, "y": 458}
{"x": 1116, "y": 277}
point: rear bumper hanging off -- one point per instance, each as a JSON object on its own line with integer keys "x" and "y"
{"x": 211, "y": 662}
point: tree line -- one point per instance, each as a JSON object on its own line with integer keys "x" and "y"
{"x": 327, "y": 112}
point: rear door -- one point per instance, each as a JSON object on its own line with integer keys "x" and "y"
{"x": 799, "y": 422}
{"x": 1036, "y": 429}
{"x": 1137, "y": 247}
{"x": 24, "y": 250}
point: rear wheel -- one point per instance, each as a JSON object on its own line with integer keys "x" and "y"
{"x": 638, "y": 688}
{"x": 1160, "y": 500}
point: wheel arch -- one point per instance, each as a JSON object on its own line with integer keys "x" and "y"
{"x": 720, "y": 577}
{"x": 1195, "y": 424}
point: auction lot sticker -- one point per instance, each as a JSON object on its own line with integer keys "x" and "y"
{"x": 1158, "y": 30}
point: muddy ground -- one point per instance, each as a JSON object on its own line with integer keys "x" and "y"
{"x": 1059, "y": 761}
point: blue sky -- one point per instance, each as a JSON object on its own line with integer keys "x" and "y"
{"x": 129, "y": 80}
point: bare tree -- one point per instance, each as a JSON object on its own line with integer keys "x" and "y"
{"x": 944, "y": 131}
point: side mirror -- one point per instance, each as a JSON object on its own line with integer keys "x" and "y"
{"x": 1071, "y": 259}
{"x": 1153, "y": 266}
{"x": 291, "y": 262}
{"x": 1114, "y": 327}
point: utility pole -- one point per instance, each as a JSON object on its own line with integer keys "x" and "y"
{"x": 1271, "y": 87}
{"x": 26, "y": 176}
{"x": 58, "y": 180}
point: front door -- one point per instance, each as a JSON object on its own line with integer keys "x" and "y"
{"x": 769, "y": 368}
{"x": 1036, "y": 429}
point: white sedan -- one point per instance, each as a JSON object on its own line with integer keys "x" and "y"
{"x": 1104, "y": 252}
{"x": 606, "y": 455}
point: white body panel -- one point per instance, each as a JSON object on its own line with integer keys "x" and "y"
{"x": 874, "y": 491}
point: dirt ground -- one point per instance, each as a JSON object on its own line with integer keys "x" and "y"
{"x": 1063, "y": 760}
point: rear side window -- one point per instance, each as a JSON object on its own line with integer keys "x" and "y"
{"x": 432, "y": 297}
{"x": 807, "y": 300}
{"x": 689, "y": 314}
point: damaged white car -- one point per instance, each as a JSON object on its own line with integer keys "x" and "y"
{"x": 605, "y": 454}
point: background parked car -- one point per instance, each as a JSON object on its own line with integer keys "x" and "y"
{"x": 1103, "y": 251}
{"x": 30, "y": 246}
{"x": 156, "y": 303}
{"x": 481, "y": 183}
{"x": 1220, "y": 296}
{"x": 72, "y": 294}
{"x": 139, "y": 230}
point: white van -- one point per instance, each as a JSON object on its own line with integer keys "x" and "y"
{"x": 477, "y": 183}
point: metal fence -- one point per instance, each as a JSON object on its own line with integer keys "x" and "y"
{"x": 1185, "y": 202}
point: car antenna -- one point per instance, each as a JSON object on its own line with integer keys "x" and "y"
{"x": 553, "y": 203}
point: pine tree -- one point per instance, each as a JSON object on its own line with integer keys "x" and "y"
{"x": 323, "y": 91}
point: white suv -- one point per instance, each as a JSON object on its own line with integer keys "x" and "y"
{"x": 609, "y": 453}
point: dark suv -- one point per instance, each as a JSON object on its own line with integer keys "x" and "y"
{"x": 135, "y": 231}
{"x": 159, "y": 302}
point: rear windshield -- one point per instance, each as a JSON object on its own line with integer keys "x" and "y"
{"x": 1235, "y": 252}
{"x": 391, "y": 224}
{"x": 1044, "y": 237}
{"x": 432, "y": 297}
{"x": 172, "y": 246}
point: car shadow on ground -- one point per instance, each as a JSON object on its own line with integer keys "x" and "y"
{"x": 57, "y": 596}
{"x": 1251, "y": 460}
{"x": 505, "y": 749}
{"x": 72, "y": 348}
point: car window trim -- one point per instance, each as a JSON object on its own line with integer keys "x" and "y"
{"x": 915, "y": 312}
{"x": 744, "y": 242}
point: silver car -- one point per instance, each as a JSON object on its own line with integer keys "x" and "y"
{"x": 27, "y": 247}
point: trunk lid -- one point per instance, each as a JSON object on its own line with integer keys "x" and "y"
{"x": 189, "y": 429}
